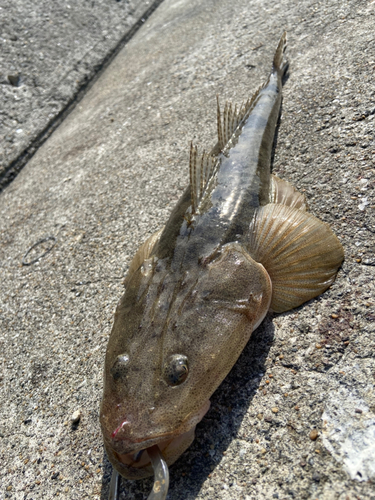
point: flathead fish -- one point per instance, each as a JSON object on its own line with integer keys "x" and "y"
{"x": 239, "y": 243}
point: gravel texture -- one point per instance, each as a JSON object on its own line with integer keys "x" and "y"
{"x": 49, "y": 53}
{"x": 295, "y": 418}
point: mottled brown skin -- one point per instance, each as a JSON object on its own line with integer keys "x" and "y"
{"x": 208, "y": 315}
{"x": 195, "y": 293}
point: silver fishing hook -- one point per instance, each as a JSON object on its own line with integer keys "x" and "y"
{"x": 161, "y": 477}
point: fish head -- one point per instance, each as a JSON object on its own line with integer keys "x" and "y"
{"x": 174, "y": 339}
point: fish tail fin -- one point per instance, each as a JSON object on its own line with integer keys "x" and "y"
{"x": 279, "y": 63}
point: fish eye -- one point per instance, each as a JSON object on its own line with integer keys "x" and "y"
{"x": 119, "y": 366}
{"x": 176, "y": 369}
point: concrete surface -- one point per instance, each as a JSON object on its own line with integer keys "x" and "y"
{"x": 49, "y": 53}
{"x": 295, "y": 417}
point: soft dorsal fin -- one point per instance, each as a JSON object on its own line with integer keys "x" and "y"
{"x": 202, "y": 167}
{"x": 229, "y": 126}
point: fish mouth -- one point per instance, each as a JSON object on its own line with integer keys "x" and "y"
{"x": 131, "y": 459}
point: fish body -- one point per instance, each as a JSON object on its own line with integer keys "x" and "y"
{"x": 238, "y": 243}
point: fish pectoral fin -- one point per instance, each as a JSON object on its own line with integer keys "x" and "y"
{"x": 143, "y": 253}
{"x": 300, "y": 253}
{"x": 286, "y": 194}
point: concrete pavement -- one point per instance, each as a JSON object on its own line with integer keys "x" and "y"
{"x": 295, "y": 417}
{"x": 50, "y": 54}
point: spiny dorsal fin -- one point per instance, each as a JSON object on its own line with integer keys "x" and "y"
{"x": 201, "y": 170}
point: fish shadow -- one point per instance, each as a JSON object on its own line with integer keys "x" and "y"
{"x": 229, "y": 405}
